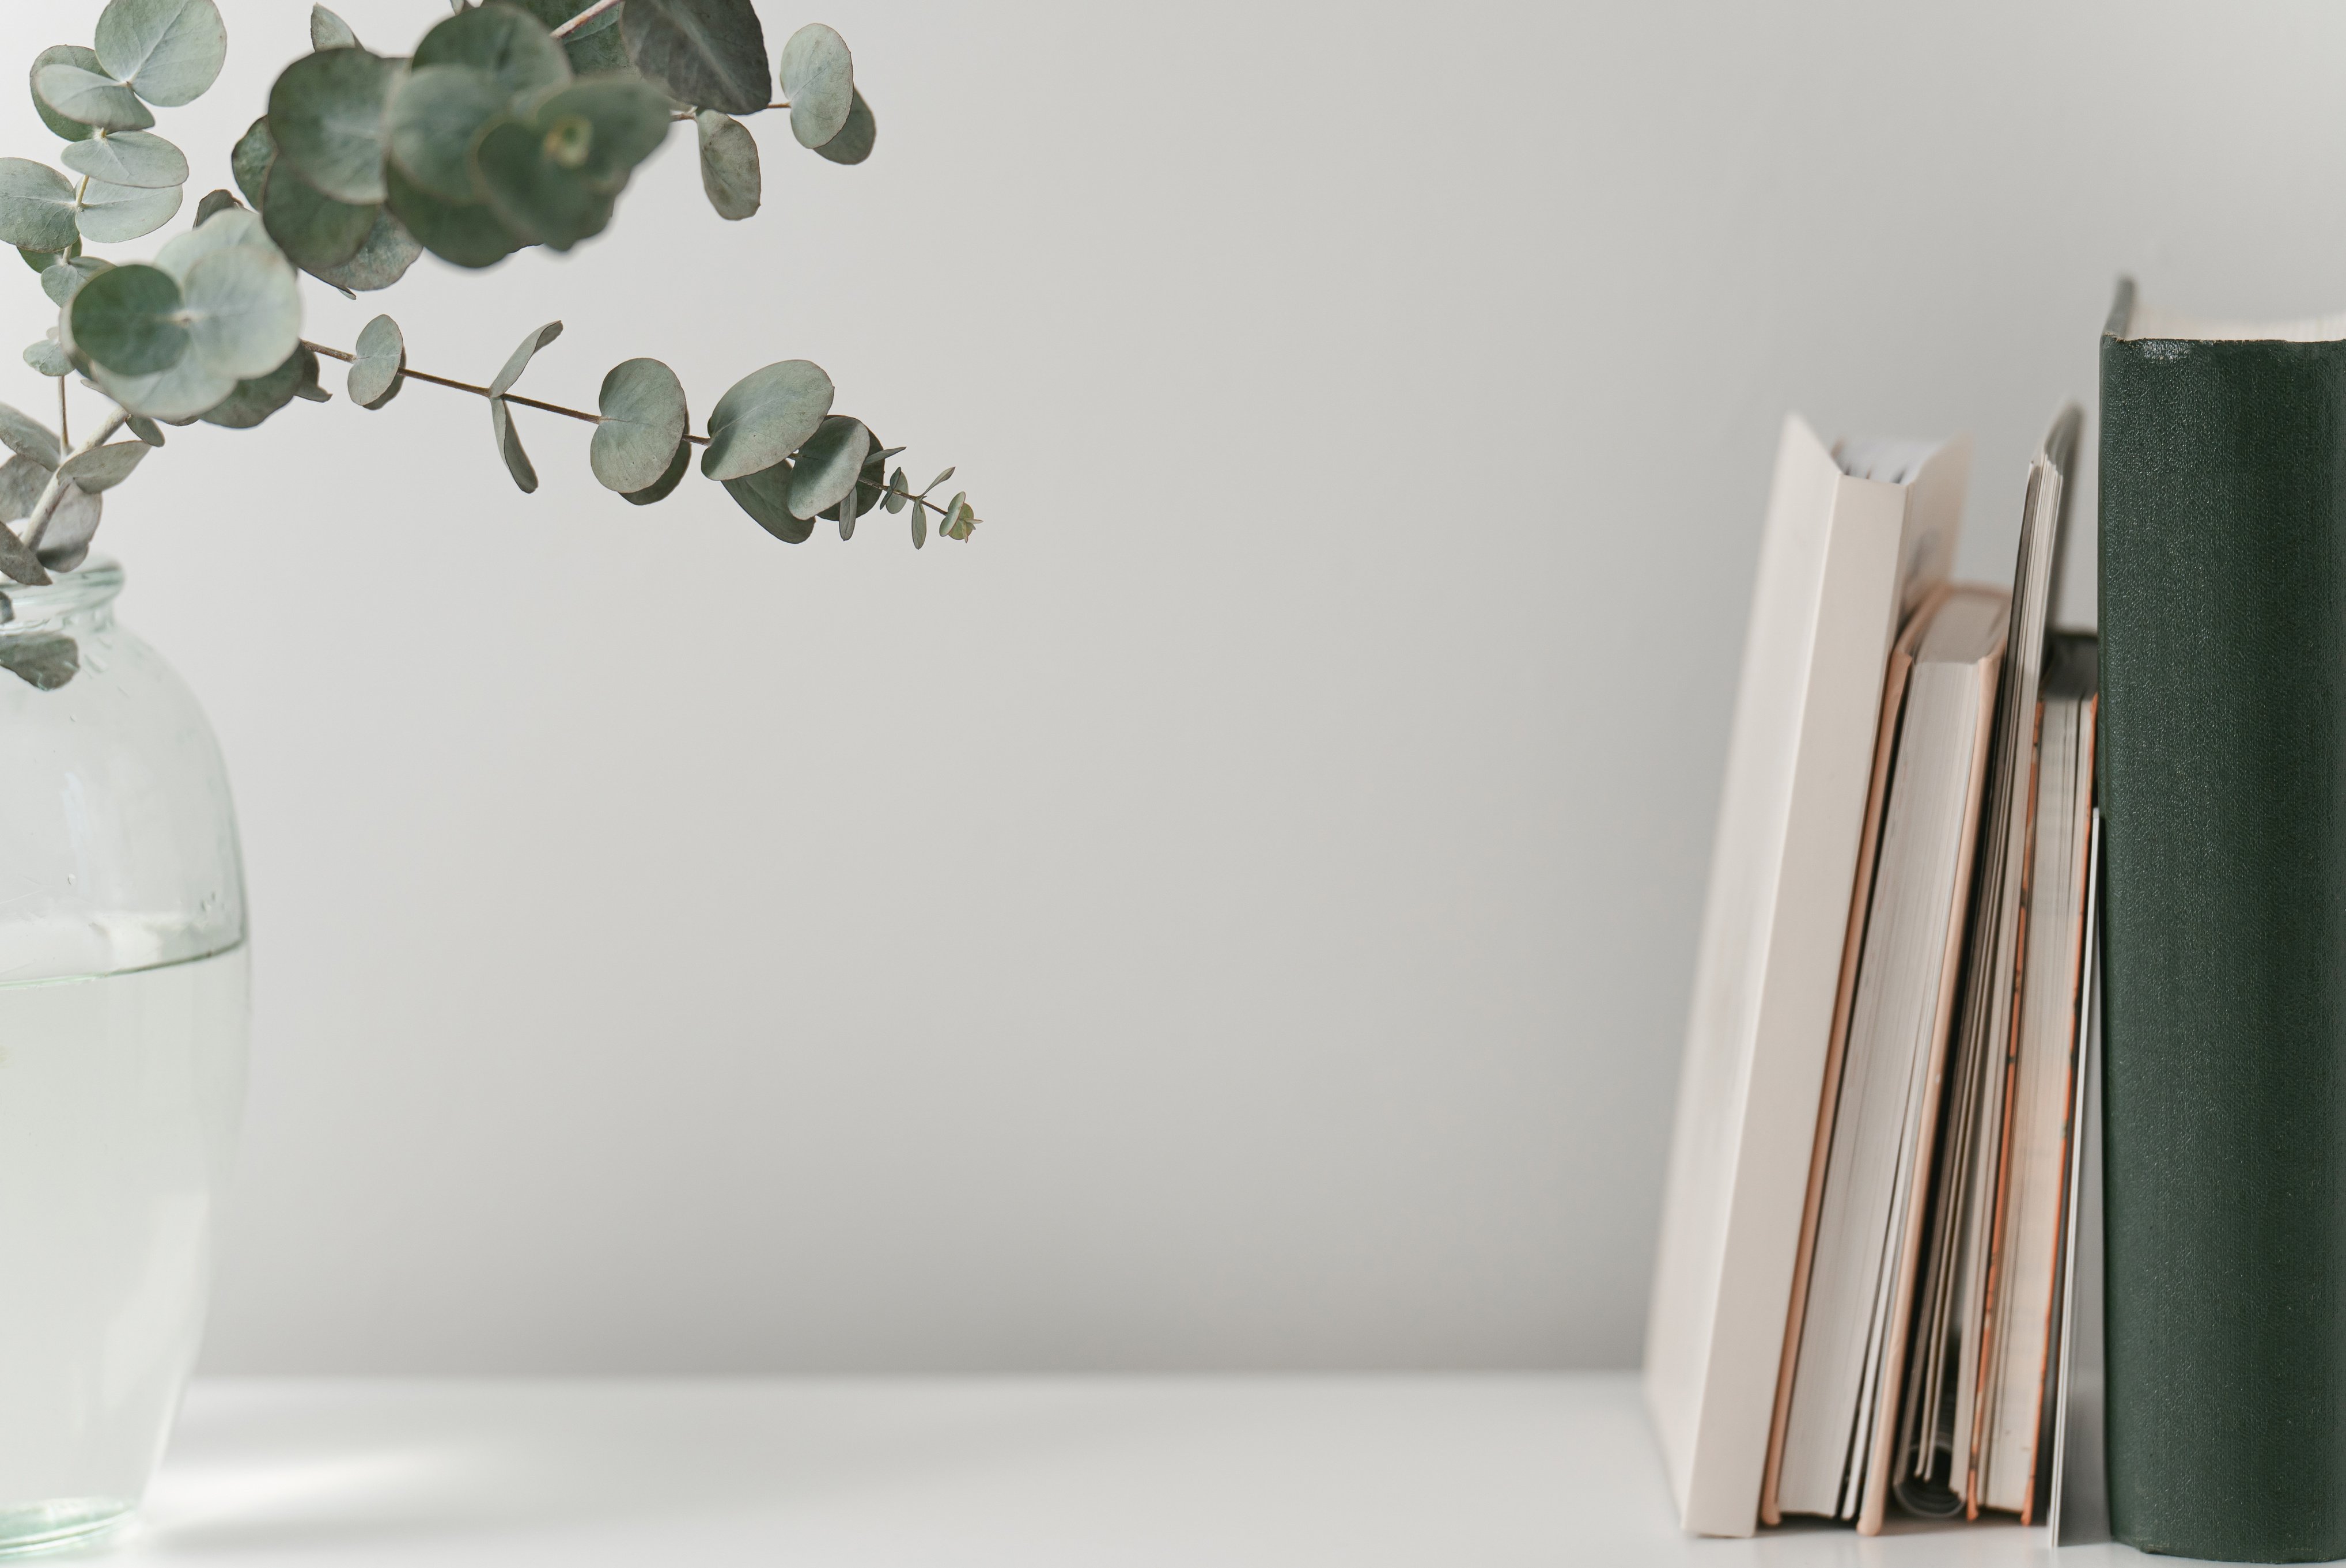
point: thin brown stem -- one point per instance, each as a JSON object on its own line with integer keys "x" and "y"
{"x": 582, "y": 17}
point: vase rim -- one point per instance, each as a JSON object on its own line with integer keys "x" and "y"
{"x": 88, "y": 586}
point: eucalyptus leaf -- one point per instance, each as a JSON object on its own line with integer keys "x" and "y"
{"x": 19, "y": 563}
{"x": 47, "y": 358}
{"x": 65, "y": 544}
{"x": 375, "y": 375}
{"x": 897, "y": 493}
{"x": 22, "y": 479}
{"x": 959, "y": 521}
{"x": 243, "y": 311}
{"x": 42, "y": 261}
{"x": 311, "y": 228}
{"x": 144, "y": 429}
{"x": 326, "y": 113}
{"x": 169, "y": 51}
{"x": 112, "y": 213}
{"x": 855, "y": 139}
{"x": 232, "y": 227}
{"x": 507, "y": 43}
{"x": 846, "y": 516}
{"x": 518, "y": 361}
{"x": 467, "y": 234}
{"x": 764, "y": 417}
{"x": 509, "y": 446}
{"x": 828, "y": 465}
{"x": 871, "y": 484}
{"x": 254, "y": 155}
{"x": 306, "y": 388}
{"x": 37, "y": 206}
{"x": 431, "y": 122}
{"x": 28, "y": 437}
{"x": 179, "y": 393}
{"x": 63, "y": 55}
{"x": 101, "y": 468}
{"x": 382, "y": 259}
{"x": 254, "y": 400}
{"x": 42, "y": 660}
{"x": 729, "y": 165}
{"x": 552, "y": 177}
{"x": 214, "y": 202}
{"x": 63, "y": 281}
{"x": 818, "y": 80}
{"x": 531, "y": 194}
{"x": 709, "y": 54}
{"x": 940, "y": 479}
{"x": 765, "y": 496}
{"x": 90, "y": 99}
{"x": 644, "y": 417}
{"x": 669, "y": 480}
{"x": 128, "y": 320}
{"x": 920, "y": 524}
{"x": 327, "y": 30}
{"x": 139, "y": 159}
{"x": 594, "y": 54}
{"x": 626, "y": 121}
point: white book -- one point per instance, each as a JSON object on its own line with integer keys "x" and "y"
{"x": 1844, "y": 558}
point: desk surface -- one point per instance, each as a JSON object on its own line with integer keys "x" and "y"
{"x": 1365, "y": 1472}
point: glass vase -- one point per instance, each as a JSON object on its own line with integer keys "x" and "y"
{"x": 123, "y": 1024}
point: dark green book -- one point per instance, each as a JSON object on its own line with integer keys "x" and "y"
{"x": 2223, "y": 793}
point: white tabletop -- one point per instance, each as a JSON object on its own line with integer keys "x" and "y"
{"x": 1085, "y": 1473}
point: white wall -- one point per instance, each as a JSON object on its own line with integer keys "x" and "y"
{"x": 1237, "y": 912}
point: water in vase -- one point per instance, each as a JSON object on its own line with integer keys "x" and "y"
{"x": 119, "y": 1096}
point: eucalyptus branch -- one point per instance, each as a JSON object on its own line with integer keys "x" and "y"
{"x": 36, "y": 523}
{"x": 582, "y": 17}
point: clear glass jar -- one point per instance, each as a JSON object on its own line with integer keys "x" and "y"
{"x": 123, "y": 1024}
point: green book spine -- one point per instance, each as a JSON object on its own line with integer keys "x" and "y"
{"x": 2223, "y": 790}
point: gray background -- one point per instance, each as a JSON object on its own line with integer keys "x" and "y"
{"x": 1237, "y": 913}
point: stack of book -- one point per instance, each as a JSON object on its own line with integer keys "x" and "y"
{"x": 1860, "y": 1300}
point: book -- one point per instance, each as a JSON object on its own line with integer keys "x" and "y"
{"x": 1940, "y": 1441}
{"x": 1844, "y": 1348}
{"x": 1852, "y": 546}
{"x": 2223, "y": 662}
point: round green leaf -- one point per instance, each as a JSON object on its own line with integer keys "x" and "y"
{"x": 91, "y": 99}
{"x": 512, "y": 46}
{"x": 467, "y": 234}
{"x": 828, "y": 465}
{"x": 46, "y": 359}
{"x": 531, "y": 193}
{"x": 144, "y": 429}
{"x": 644, "y": 418}
{"x": 670, "y": 477}
{"x": 518, "y": 361}
{"x": 959, "y": 520}
{"x": 63, "y": 55}
{"x": 766, "y": 496}
{"x": 112, "y": 213}
{"x": 517, "y": 463}
{"x": 104, "y": 468}
{"x": 181, "y": 393}
{"x": 256, "y": 399}
{"x": 235, "y": 226}
{"x": 327, "y": 30}
{"x": 818, "y": 80}
{"x": 169, "y": 51}
{"x": 28, "y": 438}
{"x": 311, "y": 228}
{"x": 897, "y": 492}
{"x": 375, "y": 379}
{"x": 215, "y": 202}
{"x": 128, "y": 320}
{"x": 729, "y": 165}
{"x": 37, "y": 206}
{"x": 326, "y": 113}
{"x": 254, "y": 155}
{"x": 764, "y": 417}
{"x": 709, "y": 54}
{"x": 383, "y": 260}
{"x": 854, "y": 141}
{"x": 140, "y": 159}
{"x": 61, "y": 281}
{"x": 243, "y": 310}
{"x": 66, "y": 544}
{"x": 431, "y": 123}
{"x": 22, "y": 479}
{"x": 42, "y": 261}
{"x": 626, "y": 120}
